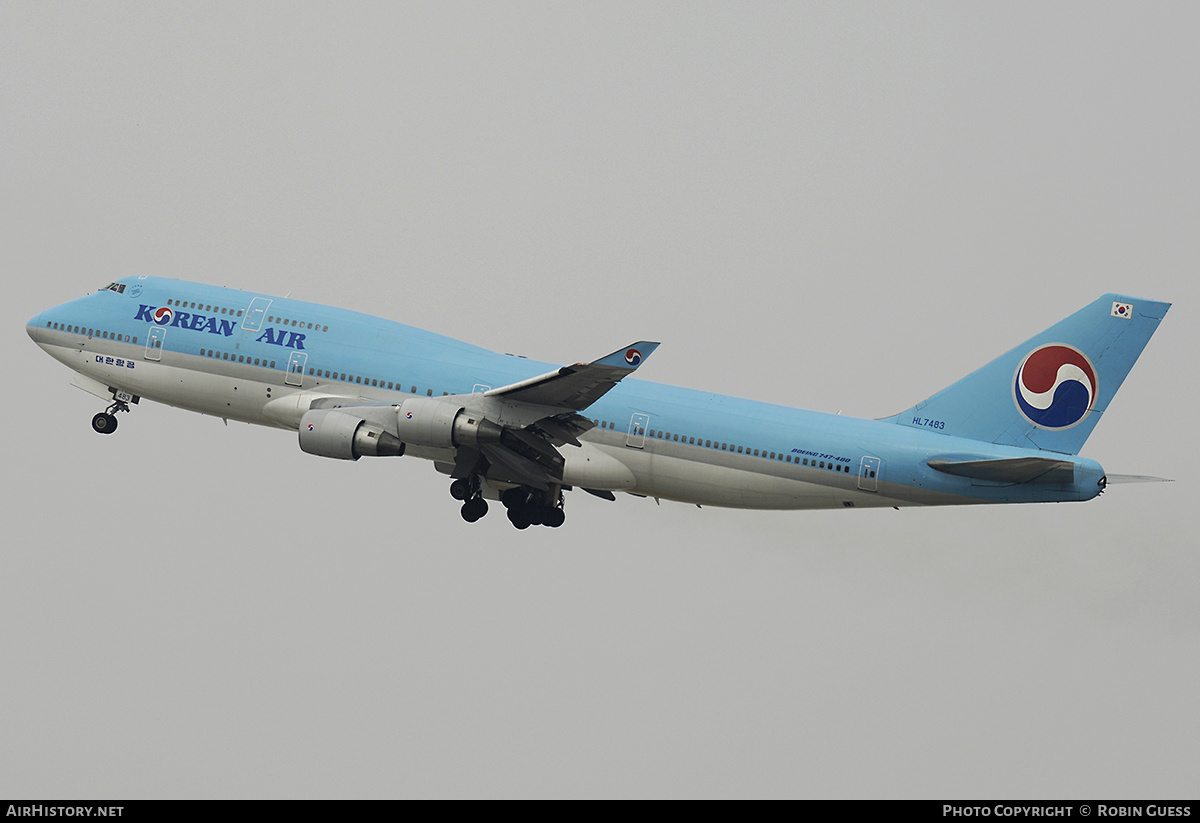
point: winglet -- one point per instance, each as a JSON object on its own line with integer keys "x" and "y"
{"x": 579, "y": 386}
{"x": 629, "y": 357}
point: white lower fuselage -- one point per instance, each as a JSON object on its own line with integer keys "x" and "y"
{"x": 649, "y": 439}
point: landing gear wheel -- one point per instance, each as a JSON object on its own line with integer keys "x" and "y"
{"x": 554, "y": 518}
{"x": 474, "y": 509}
{"x": 514, "y": 498}
{"x": 532, "y": 513}
{"x": 104, "y": 423}
{"x": 517, "y": 518}
{"x": 460, "y": 489}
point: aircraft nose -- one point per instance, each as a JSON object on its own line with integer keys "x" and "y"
{"x": 34, "y": 327}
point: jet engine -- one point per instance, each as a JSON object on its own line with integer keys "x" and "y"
{"x": 345, "y": 436}
{"x": 443, "y": 424}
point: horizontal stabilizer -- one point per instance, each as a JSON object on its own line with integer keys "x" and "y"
{"x": 1136, "y": 478}
{"x": 1010, "y": 470}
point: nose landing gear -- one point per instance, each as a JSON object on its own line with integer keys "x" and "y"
{"x": 106, "y": 421}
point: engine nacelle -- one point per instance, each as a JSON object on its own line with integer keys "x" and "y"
{"x": 443, "y": 424}
{"x": 345, "y": 436}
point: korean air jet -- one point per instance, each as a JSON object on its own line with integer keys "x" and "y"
{"x": 523, "y": 433}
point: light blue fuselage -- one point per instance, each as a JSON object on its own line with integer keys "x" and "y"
{"x": 262, "y": 359}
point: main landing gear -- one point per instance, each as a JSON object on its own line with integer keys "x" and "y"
{"x": 106, "y": 421}
{"x": 467, "y": 490}
{"x": 526, "y": 507}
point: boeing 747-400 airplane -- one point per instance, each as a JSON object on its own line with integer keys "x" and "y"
{"x": 510, "y": 429}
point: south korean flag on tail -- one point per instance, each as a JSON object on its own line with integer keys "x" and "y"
{"x": 1122, "y": 310}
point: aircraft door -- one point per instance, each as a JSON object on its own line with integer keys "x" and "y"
{"x": 868, "y": 473}
{"x": 295, "y": 368}
{"x": 154, "y": 343}
{"x": 637, "y": 431}
{"x": 256, "y": 313}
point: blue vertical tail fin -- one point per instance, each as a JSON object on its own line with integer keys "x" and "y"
{"x": 1049, "y": 392}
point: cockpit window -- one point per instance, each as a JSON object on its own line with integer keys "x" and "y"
{"x": 119, "y": 288}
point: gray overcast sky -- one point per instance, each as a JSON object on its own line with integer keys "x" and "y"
{"x": 836, "y": 206}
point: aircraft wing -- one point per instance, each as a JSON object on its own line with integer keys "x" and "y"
{"x": 511, "y": 435}
{"x": 574, "y": 388}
